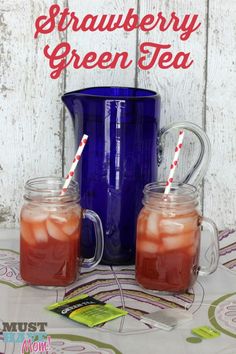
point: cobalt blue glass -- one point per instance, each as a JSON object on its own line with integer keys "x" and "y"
{"x": 119, "y": 159}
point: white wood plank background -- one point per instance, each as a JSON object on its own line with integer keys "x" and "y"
{"x": 36, "y": 134}
{"x": 30, "y": 108}
{"x": 220, "y": 182}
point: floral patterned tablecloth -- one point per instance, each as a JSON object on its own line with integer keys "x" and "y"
{"x": 212, "y": 301}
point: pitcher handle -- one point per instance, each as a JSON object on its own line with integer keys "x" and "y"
{"x": 199, "y": 169}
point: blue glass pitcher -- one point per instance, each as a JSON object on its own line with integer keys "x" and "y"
{"x": 120, "y": 158}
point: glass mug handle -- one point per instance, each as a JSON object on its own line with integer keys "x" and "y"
{"x": 199, "y": 169}
{"x": 99, "y": 239}
{"x": 212, "y": 252}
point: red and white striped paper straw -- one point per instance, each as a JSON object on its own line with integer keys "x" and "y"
{"x": 174, "y": 162}
{"x": 74, "y": 163}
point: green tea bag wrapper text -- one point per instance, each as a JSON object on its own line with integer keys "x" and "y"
{"x": 86, "y": 310}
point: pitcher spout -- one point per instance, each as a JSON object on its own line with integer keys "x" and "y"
{"x": 71, "y": 101}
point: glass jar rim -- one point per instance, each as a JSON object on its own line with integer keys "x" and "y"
{"x": 159, "y": 187}
{"x": 49, "y": 188}
{"x": 181, "y": 195}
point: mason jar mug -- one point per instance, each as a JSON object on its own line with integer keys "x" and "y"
{"x": 50, "y": 228}
{"x": 169, "y": 236}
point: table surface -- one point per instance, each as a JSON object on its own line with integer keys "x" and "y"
{"x": 212, "y": 302}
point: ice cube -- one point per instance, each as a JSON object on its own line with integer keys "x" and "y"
{"x": 34, "y": 214}
{"x": 27, "y": 233}
{"x": 55, "y": 231}
{"x": 172, "y": 242}
{"x": 71, "y": 226}
{"x": 189, "y": 223}
{"x": 171, "y": 226}
{"x": 141, "y": 223}
{"x": 152, "y": 224}
{"x": 178, "y": 241}
{"x": 147, "y": 247}
{"x": 58, "y": 218}
{"x": 40, "y": 233}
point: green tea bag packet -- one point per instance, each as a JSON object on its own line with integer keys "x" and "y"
{"x": 86, "y": 310}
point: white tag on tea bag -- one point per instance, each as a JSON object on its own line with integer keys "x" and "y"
{"x": 167, "y": 319}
